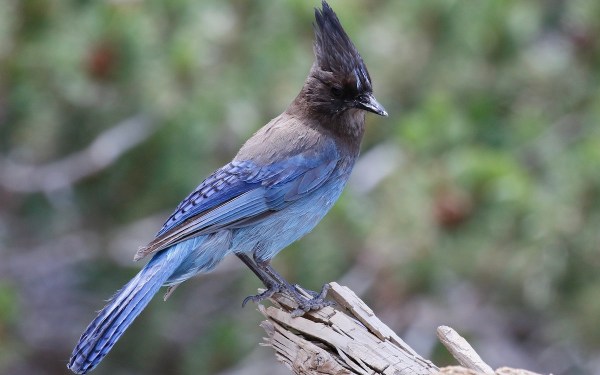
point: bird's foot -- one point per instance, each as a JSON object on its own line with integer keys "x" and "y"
{"x": 305, "y": 304}
{"x": 301, "y": 290}
{"x": 274, "y": 288}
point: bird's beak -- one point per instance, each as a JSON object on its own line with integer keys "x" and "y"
{"x": 369, "y": 103}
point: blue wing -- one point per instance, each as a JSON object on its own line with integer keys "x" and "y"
{"x": 243, "y": 192}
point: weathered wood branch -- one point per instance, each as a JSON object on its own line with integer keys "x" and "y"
{"x": 350, "y": 339}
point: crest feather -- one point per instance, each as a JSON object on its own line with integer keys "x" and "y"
{"x": 334, "y": 51}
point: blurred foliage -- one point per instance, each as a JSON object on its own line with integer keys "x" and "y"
{"x": 489, "y": 198}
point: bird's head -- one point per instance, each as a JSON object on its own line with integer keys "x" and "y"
{"x": 339, "y": 80}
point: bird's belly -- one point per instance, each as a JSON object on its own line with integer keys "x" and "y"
{"x": 267, "y": 238}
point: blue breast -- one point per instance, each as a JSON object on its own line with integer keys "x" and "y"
{"x": 269, "y": 237}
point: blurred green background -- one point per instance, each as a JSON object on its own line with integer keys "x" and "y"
{"x": 475, "y": 204}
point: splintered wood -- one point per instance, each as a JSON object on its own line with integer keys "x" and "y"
{"x": 350, "y": 339}
{"x": 461, "y": 350}
{"x": 330, "y": 341}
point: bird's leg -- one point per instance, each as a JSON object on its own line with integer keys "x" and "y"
{"x": 272, "y": 272}
{"x": 272, "y": 285}
{"x": 262, "y": 275}
{"x": 304, "y": 304}
{"x": 275, "y": 283}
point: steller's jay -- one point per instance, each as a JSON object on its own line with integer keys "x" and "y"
{"x": 278, "y": 187}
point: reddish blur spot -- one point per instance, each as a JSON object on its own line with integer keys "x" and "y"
{"x": 451, "y": 207}
{"x": 102, "y": 60}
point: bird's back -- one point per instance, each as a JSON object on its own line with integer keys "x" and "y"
{"x": 288, "y": 135}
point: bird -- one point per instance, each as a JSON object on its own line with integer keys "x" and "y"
{"x": 281, "y": 183}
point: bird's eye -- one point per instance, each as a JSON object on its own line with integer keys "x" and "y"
{"x": 336, "y": 91}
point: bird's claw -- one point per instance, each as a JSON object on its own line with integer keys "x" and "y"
{"x": 305, "y": 304}
{"x": 310, "y": 305}
{"x": 276, "y": 288}
{"x": 300, "y": 290}
{"x": 317, "y": 301}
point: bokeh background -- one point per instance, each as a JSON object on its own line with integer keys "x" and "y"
{"x": 475, "y": 204}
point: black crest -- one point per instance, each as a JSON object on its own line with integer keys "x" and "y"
{"x": 334, "y": 50}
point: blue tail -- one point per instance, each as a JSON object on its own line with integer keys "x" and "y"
{"x": 104, "y": 331}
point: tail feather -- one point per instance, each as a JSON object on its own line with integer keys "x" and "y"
{"x": 110, "y": 324}
{"x": 112, "y": 329}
